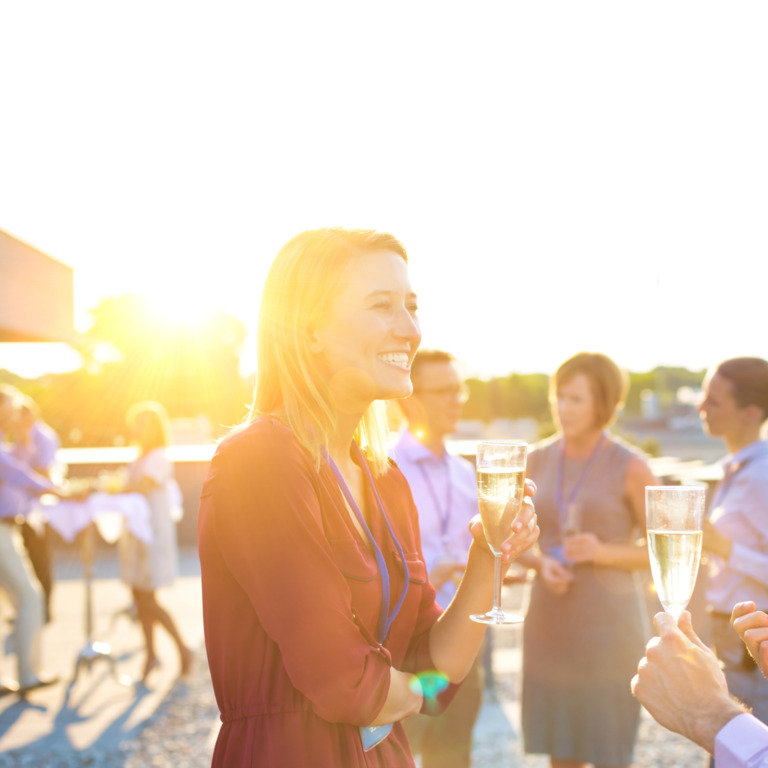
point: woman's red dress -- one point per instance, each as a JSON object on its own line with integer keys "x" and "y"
{"x": 291, "y": 597}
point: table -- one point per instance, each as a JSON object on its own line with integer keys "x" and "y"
{"x": 107, "y": 513}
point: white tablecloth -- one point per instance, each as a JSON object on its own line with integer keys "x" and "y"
{"x": 110, "y": 511}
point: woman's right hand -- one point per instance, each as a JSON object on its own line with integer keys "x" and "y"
{"x": 556, "y": 577}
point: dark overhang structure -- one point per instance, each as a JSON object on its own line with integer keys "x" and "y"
{"x": 36, "y": 294}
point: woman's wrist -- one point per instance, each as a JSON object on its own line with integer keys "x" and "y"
{"x": 480, "y": 552}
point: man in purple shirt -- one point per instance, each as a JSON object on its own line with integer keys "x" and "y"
{"x": 444, "y": 488}
{"x": 16, "y": 577}
{"x": 679, "y": 681}
{"x": 36, "y": 444}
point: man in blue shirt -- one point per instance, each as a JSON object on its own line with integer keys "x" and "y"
{"x": 734, "y": 408}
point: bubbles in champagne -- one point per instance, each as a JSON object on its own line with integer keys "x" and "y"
{"x": 496, "y": 487}
{"x": 675, "y": 559}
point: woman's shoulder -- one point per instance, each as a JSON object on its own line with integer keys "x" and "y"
{"x": 540, "y": 450}
{"x": 262, "y": 431}
{"x": 628, "y": 451}
{"x": 545, "y": 444}
{"x": 393, "y": 478}
{"x": 265, "y": 440}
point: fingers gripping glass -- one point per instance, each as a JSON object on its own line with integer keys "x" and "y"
{"x": 674, "y": 517}
{"x": 500, "y": 489}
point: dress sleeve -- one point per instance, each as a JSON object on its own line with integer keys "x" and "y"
{"x": 269, "y": 530}
{"x": 418, "y": 659}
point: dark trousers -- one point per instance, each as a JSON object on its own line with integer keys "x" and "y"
{"x": 39, "y": 549}
{"x": 445, "y": 741}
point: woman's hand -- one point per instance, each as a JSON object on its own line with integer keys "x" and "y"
{"x": 581, "y": 547}
{"x": 556, "y": 577}
{"x": 525, "y": 531}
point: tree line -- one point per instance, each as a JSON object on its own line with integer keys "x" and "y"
{"x": 131, "y": 354}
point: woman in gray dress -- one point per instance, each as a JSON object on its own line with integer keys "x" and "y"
{"x": 583, "y": 634}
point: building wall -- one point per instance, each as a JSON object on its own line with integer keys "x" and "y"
{"x": 36, "y": 294}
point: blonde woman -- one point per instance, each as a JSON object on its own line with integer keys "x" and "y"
{"x": 145, "y": 567}
{"x": 321, "y": 626}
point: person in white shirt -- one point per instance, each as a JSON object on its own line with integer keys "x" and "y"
{"x": 735, "y": 408}
{"x": 680, "y": 682}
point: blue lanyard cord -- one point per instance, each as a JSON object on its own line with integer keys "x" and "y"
{"x": 443, "y": 514}
{"x": 562, "y": 509}
{"x": 385, "y": 618}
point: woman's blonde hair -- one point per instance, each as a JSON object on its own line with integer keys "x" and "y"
{"x": 297, "y": 298}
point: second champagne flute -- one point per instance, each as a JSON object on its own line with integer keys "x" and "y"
{"x": 500, "y": 488}
{"x": 674, "y": 516}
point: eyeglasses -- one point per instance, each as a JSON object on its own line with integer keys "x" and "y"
{"x": 458, "y": 392}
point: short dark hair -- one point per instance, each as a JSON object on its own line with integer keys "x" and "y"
{"x": 426, "y": 356}
{"x": 749, "y": 381}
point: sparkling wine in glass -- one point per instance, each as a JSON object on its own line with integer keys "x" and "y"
{"x": 500, "y": 488}
{"x": 674, "y": 516}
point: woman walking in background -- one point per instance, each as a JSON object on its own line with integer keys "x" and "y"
{"x": 321, "y": 624}
{"x": 145, "y": 567}
{"x": 583, "y": 633}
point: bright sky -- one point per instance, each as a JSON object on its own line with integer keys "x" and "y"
{"x": 565, "y": 175}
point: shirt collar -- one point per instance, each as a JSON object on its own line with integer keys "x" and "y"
{"x": 755, "y": 450}
{"x": 411, "y": 447}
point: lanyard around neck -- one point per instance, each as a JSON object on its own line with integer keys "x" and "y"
{"x": 561, "y": 507}
{"x": 385, "y": 617}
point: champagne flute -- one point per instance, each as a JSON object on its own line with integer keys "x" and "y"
{"x": 674, "y": 516}
{"x": 500, "y": 484}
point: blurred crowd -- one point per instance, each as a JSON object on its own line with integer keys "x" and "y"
{"x": 29, "y": 474}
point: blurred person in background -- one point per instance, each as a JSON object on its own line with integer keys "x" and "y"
{"x": 147, "y": 566}
{"x": 584, "y": 630}
{"x": 681, "y": 683}
{"x": 444, "y": 488}
{"x": 36, "y": 444}
{"x": 17, "y": 578}
{"x": 734, "y": 408}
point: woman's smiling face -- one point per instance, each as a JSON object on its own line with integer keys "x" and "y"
{"x": 366, "y": 347}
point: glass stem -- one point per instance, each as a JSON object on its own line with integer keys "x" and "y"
{"x": 497, "y": 578}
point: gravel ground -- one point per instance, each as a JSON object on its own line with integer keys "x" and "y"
{"x": 179, "y": 735}
{"x": 181, "y": 731}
